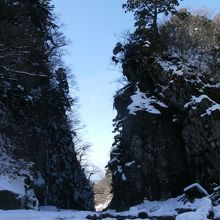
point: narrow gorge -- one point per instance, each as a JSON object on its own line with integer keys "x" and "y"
{"x": 165, "y": 159}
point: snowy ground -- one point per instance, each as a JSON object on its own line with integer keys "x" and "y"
{"x": 42, "y": 215}
{"x": 199, "y": 210}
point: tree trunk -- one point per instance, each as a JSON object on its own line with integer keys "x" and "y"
{"x": 154, "y": 25}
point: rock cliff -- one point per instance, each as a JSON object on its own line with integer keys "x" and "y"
{"x": 168, "y": 136}
{"x": 38, "y": 163}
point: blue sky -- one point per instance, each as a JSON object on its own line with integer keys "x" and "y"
{"x": 93, "y": 27}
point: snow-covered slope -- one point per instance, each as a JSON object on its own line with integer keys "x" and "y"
{"x": 200, "y": 209}
{"x": 42, "y": 215}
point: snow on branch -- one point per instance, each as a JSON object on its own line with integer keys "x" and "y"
{"x": 23, "y": 72}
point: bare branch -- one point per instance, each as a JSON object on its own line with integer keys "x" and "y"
{"x": 23, "y": 72}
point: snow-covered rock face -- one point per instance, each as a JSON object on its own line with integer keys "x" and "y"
{"x": 38, "y": 151}
{"x": 171, "y": 133}
{"x": 143, "y": 102}
{"x": 15, "y": 186}
{"x": 14, "y": 191}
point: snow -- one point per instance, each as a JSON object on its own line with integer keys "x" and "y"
{"x": 212, "y": 86}
{"x": 169, "y": 207}
{"x": 190, "y": 216}
{"x": 187, "y": 63}
{"x": 124, "y": 177}
{"x": 10, "y": 167}
{"x": 39, "y": 180}
{"x": 42, "y": 215}
{"x": 170, "y": 67}
{"x": 215, "y": 106}
{"x": 13, "y": 185}
{"x": 174, "y": 120}
{"x": 147, "y": 43}
{"x": 216, "y": 211}
{"x": 195, "y": 100}
{"x": 211, "y": 109}
{"x": 16, "y": 3}
{"x": 197, "y": 186}
{"x": 216, "y": 188}
{"x": 140, "y": 101}
{"x": 119, "y": 169}
{"x": 153, "y": 208}
{"x": 113, "y": 160}
{"x": 200, "y": 210}
{"x": 129, "y": 163}
{"x": 162, "y": 208}
{"x": 122, "y": 91}
{"x": 20, "y": 87}
{"x": 48, "y": 208}
{"x": 29, "y": 98}
{"x": 24, "y": 73}
{"x": 13, "y": 173}
{"x": 204, "y": 206}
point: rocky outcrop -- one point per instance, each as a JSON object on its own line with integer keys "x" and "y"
{"x": 37, "y": 149}
{"x": 168, "y": 137}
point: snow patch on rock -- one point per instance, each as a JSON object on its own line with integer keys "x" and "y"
{"x": 195, "y": 100}
{"x": 15, "y": 185}
{"x": 197, "y": 186}
{"x": 141, "y": 101}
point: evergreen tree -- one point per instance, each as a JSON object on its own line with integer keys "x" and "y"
{"x": 34, "y": 95}
{"x": 186, "y": 66}
{"x": 146, "y": 11}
